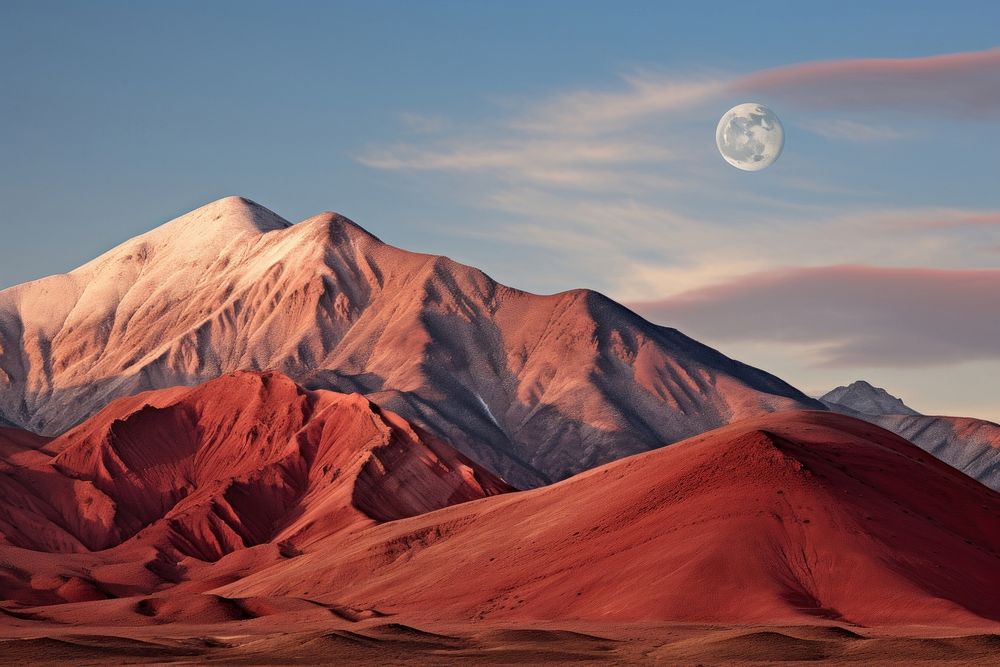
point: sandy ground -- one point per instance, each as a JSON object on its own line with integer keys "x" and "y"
{"x": 393, "y": 642}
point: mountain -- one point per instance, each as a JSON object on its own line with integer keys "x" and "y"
{"x": 971, "y": 445}
{"x": 331, "y": 510}
{"x": 19, "y": 447}
{"x": 534, "y": 387}
{"x": 863, "y": 398}
{"x": 789, "y": 517}
{"x": 244, "y": 460}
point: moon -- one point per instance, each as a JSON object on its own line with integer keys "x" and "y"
{"x": 750, "y": 137}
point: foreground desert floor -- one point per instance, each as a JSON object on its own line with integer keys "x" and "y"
{"x": 388, "y": 641}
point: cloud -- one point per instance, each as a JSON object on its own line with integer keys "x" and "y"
{"x": 623, "y": 189}
{"x": 611, "y": 139}
{"x": 514, "y": 154}
{"x": 857, "y": 316}
{"x": 853, "y": 130}
{"x": 963, "y": 85}
{"x": 641, "y": 247}
{"x": 958, "y": 84}
{"x": 594, "y": 139}
{"x": 550, "y": 162}
{"x": 960, "y": 219}
{"x": 589, "y": 112}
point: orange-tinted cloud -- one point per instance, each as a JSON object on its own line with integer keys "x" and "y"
{"x": 962, "y": 84}
{"x": 858, "y": 315}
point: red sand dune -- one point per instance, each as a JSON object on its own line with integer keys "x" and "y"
{"x": 786, "y": 517}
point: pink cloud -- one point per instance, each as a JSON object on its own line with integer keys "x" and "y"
{"x": 859, "y": 315}
{"x": 988, "y": 219}
{"x": 962, "y": 84}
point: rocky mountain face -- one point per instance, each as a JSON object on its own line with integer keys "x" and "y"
{"x": 971, "y": 445}
{"x": 534, "y": 387}
{"x": 863, "y": 398}
{"x": 244, "y": 460}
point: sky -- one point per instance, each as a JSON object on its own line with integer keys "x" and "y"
{"x": 556, "y": 145}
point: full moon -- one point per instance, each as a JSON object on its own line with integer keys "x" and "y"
{"x": 750, "y": 137}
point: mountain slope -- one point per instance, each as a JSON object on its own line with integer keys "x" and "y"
{"x": 534, "y": 387}
{"x": 971, "y": 445}
{"x": 781, "y": 518}
{"x": 862, "y": 397}
{"x": 244, "y": 460}
{"x": 791, "y": 518}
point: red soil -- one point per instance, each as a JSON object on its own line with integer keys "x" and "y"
{"x": 249, "y": 497}
{"x": 161, "y": 482}
{"x": 787, "y": 517}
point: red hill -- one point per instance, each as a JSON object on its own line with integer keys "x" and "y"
{"x": 243, "y": 460}
{"x": 782, "y": 518}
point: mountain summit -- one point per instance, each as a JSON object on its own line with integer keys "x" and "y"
{"x": 862, "y": 397}
{"x": 534, "y": 387}
{"x": 971, "y": 445}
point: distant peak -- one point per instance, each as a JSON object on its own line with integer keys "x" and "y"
{"x": 240, "y": 210}
{"x": 335, "y": 227}
{"x": 862, "y": 396}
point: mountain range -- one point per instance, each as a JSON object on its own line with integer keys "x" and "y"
{"x": 536, "y": 388}
{"x": 299, "y": 428}
{"x": 251, "y": 496}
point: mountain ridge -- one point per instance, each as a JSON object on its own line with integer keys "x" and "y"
{"x": 243, "y": 460}
{"x": 862, "y": 397}
{"x": 536, "y": 387}
{"x": 966, "y": 443}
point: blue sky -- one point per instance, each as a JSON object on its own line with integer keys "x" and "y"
{"x": 554, "y": 145}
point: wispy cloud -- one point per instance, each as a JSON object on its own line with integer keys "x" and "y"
{"x": 589, "y": 112}
{"x": 620, "y": 188}
{"x": 851, "y": 130}
{"x": 965, "y": 85}
{"x": 957, "y": 219}
{"x": 551, "y": 162}
{"x": 856, "y": 316}
{"x": 513, "y": 154}
{"x": 646, "y": 249}
{"x": 624, "y": 186}
{"x": 580, "y": 138}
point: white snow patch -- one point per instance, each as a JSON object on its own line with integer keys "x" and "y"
{"x": 489, "y": 413}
